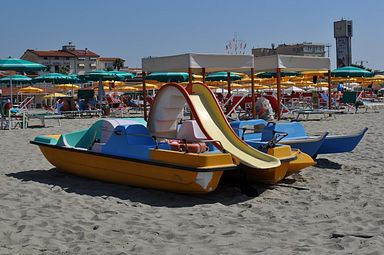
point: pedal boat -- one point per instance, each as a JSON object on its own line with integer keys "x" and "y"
{"x": 122, "y": 151}
{"x": 297, "y": 136}
{"x": 292, "y": 161}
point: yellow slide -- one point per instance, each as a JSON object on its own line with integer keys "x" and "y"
{"x": 213, "y": 122}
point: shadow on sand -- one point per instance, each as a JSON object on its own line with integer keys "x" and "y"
{"x": 229, "y": 191}
{"x": 326, "y": 163}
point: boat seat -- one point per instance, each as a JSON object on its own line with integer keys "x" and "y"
{"x": 190, "y": 131}
{"x": 294, "y": 129}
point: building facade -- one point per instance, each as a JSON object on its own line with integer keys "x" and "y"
{"x": 68, "y": 58}
{"x": 299, "y": 49}
{"x": 106, "y": 63}
{"x": 343, "y": 34}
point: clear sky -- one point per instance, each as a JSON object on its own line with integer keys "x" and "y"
{"x": 135, "y": 29}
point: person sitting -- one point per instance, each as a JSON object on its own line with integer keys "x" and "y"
{"x": 59, "y": 106}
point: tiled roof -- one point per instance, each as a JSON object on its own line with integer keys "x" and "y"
{"x": 83, "y": 53}
{"x": 61, "y": 53}
{"x": 51, "y": 53}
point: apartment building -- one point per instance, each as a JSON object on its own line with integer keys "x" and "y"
{"x": 68, "y": 58}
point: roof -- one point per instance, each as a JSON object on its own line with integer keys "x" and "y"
{"x": 50, "y": 53}
{"x": 61, "y": 53}
{"x": 83, "y": 53}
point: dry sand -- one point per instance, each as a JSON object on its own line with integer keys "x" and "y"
{"x": 336, "y": 207}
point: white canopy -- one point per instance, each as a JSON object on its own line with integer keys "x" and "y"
{"x": 211, "y": 63}
{"x": 290, "y": 63}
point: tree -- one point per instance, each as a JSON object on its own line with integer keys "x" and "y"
{"x": 64, "y": 69}
{"x": 118, "y": 64}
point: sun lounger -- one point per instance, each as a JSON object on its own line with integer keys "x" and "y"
{"x": 46, "y": 116}
{"x": 307, "y": 112}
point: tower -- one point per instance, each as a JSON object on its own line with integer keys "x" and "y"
{"x": 343, "y": 34}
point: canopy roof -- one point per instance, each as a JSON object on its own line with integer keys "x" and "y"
{"x": 195, "y": 61}
{"x": 290, "y": 63}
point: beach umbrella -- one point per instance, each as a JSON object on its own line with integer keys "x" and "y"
{"x": 123, "y": 75}
{"x": 16, "y": 78}
{"x": 30, "y": 89}
{"x": 168, "y": 77}
{"x": 100, "y": 76}
{"x": 55, "y": 78}
{"x": 148, "y": 86}
{"x": 126, "y": 88}
{"x": 54, "y": 95}
{"x": 67, "y": 86}
{"x": 274, "y": 74}
{"x": 16, "y": 64}
{"x": 222, "y": 76}
{"x": 351, "y": 71}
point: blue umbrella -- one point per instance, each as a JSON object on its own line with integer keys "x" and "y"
{"x": 15, "y": 64}
{"x": 123, "y": 75}
{"x": 351, "y": 71}
{"x": 17, "y": 78}
{"x": 168, "y": 77}
{"x": 100, "y": 75}
{"x": 222, "y": 76}
{"x": 55, "y": 78}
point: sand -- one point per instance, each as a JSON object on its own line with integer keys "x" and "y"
{"x": 335, "y": 207}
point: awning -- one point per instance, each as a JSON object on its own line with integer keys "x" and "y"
{"x": 291, "y": 63}
{"x": 195, "y": 61}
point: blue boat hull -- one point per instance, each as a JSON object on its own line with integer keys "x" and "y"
{"x": 341, "y": 144}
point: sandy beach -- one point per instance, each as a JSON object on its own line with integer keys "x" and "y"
{"x": 334, "y": 207}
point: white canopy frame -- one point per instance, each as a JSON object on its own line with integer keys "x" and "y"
{"x": 199, "y": 63}
{"x": 277, "y": 63}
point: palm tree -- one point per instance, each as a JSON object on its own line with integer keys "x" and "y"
{"x": 118, "y": 63}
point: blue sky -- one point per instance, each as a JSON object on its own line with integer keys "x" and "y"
{"x": 135, "y": 29}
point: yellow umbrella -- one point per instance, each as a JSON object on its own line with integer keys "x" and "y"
{"x": 197, "y": 77}
{"x": 30, "y": 89}
{"x": 147, "y": 86}
{"x": 304, "y": 83}
{"x": 54, "y": 95}
{"x": 117, "y": 83}
{"x": 126, "y": 88}
{"x": 67, "y": 86}
{"x": 105, "y": 88}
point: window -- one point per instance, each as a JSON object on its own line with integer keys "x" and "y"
{"x": 56, "y": 58}
{"x": 45, "y": 58}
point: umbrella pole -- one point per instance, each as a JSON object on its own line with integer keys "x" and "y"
{"x": 278, "y": 93}
{"x": 144, "y": 96}
{"x": 100, "y": 92}
{"x": 253, "y": 93}
{"x": 10, "y": 84}
{"x": 329, "y": 90}
{"x": 203, "y": 74}
{"x": 229, "y": 82}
